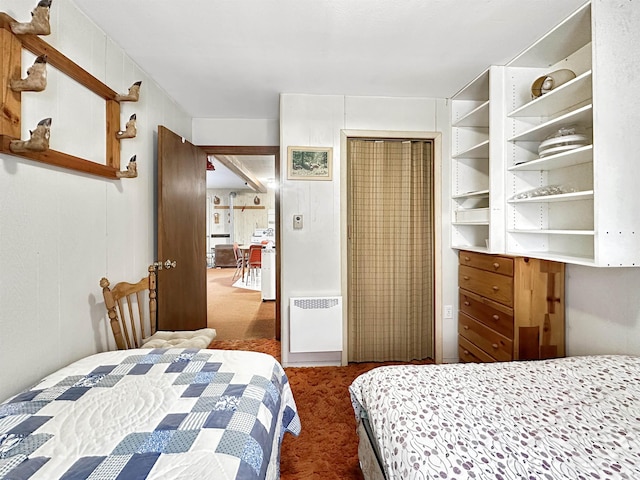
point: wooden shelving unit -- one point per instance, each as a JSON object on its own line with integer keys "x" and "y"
{"x": 10, "y": 120}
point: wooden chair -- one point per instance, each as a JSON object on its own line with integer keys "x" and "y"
{"x": 238, "y": 255}
{"x": 132, "y": 312}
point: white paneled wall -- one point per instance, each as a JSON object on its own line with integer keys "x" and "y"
{"x": 312, "y": 257}
{"x": 246, "y": 220}
{"x": 603, "y": 310}
{"x": 60, "y": 230}
{"x": 235, "y": 131}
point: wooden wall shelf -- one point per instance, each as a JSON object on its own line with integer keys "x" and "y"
{"x": 10, "y": 128}
{"x": 240, "y": 207}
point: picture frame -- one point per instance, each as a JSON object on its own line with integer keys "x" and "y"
{"x": 309, "y": 163}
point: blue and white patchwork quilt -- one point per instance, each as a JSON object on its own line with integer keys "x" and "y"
{"x": 164, "y": 413}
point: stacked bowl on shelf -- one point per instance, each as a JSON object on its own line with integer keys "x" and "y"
{"x": 566, "y": 138}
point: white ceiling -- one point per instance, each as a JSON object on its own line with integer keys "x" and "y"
{"x": 261, "y": 166}
{"x": 232, "y": 59}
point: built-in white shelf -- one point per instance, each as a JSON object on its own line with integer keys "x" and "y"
{"x": 477, "y": 193}
{"x": 481, "y": 150}
{"x": 470, "y": 223}
{"x": 477, "y": 167}
{"x": 496, "y": 122}
{"x": 497, "y": 129}
{"x": 564, "y": 197}
{"x": 582, "y": 117}
{"x": 562, "y": 257}
{"x": 477, "y": 118}
{"x": 577, "y": 156}
{"x": 542, "y": 231}
{"x": 559, "y": 99}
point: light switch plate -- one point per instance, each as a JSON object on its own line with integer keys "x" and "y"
{"x": 448, "y": 311}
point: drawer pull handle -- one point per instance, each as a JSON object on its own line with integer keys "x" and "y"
{"x": 466, "y": 259}
{"x": 466, "y": 327}
{"x": 495, "y": 288}
{"x": 496, "y": 317}
{"x": 466, "y": 304}
{"x": 466, "y": 352}
{"x": 465, "y": 277}
{"x": 495, "y": 345}
{"x": 496, "y": 265}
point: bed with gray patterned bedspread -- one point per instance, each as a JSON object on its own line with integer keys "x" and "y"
{"x": 134, "y": 414}
{"x": 568, "y": 418}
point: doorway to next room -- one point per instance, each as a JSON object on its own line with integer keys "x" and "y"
{"x": 242, "y": 303}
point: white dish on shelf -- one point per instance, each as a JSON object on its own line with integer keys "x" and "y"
{"x": 561, "y": 143}
{"x": 558, "y": 149}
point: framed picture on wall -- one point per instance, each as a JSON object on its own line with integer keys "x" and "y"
{"x": 309, "y": 163}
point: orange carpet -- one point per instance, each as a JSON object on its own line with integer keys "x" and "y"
{"x": 327, "y": 448}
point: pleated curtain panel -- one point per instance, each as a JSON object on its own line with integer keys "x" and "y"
{"x": 391, "y": 250}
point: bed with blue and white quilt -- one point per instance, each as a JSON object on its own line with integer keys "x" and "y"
{"x": 151, "y": 414}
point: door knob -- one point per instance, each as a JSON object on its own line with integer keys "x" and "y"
{"x": 167, "y": 265}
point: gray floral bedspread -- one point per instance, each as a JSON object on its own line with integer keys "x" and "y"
{"x": 151, "y": 414}
{"x": 569, "y": 418}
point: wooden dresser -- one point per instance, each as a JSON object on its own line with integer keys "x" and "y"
{"x": 511, "y": 308}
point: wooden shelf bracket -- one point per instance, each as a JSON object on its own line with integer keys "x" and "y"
{"x": 10, "y": 115}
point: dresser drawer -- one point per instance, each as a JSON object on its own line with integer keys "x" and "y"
{"x": 490, "y": 263}
{"x": 496, "y": 345}
{"x": 468, "y": 352}
{"x": 493, "y": 314}
{"x": 496, "y": 287}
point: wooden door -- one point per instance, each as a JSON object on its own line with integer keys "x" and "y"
{"x": 182, "y": 291}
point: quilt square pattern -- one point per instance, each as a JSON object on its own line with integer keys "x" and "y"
{"x": 198, "y": 391}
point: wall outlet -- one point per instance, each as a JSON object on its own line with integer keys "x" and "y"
{"x": 448, "y": 311}
{"x": 297, "y": 222}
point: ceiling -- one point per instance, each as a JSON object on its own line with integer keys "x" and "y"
{"x": 232, "y": 59}
{"x": 262, "y": 167}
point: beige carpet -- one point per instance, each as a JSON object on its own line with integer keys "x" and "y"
{"x": 237, "y": 313}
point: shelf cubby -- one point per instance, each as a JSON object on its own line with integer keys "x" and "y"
{"x": 477, "y": 212}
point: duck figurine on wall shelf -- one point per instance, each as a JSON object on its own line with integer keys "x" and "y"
{"x": 131, "y": 171}
{"x": 130, "y": 130}
{"x": 38, "y": 141}
{"x": 39, "y": 24}
{"x": 132, "y": 95}
{"x": 36, "y": 80}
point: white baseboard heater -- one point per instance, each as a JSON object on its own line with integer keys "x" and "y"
{"x": 315, "y": 324}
